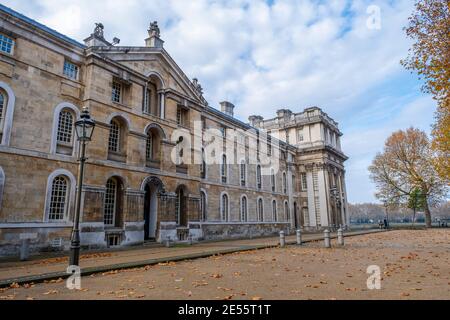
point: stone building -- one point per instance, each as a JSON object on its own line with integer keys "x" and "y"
{"x": 151, "y": 172}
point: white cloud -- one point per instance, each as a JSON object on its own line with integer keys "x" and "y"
{"x": 291, "y": 54}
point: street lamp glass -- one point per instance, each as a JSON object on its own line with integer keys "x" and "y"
{"x": 84, "y": 127}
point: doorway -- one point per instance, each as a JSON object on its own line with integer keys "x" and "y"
{"x": 151, "y": 210}
{"x": 180, "y": 207}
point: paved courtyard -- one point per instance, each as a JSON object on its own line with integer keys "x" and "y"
{"x": 413, "y": 264}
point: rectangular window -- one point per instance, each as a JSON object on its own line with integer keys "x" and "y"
{"x": 243, "y": 174}
{"x": 182, "y": 116}
{"x": 116, "y": 92}
{"x": 147, "y": 100}
{"x": 70, "y": 70}
{"x": 304, "y": 182}
{"x": 6, "y": 44}
{"x": 300, "y": 137}
{"x": 179, "y": 117}
{"x": 114, "y": 133}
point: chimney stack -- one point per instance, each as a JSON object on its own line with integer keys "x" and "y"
{"x": 227, "y": 108}
{"x": 284, "y": 113}
{"x": 255, "y": 120}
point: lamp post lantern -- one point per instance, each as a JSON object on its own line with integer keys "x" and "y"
{"x": 84, "y": 129}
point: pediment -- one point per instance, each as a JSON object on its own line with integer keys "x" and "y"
{"x": 150, "y": 62}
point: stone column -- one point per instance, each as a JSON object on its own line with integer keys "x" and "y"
{"x": 162, "y": 104}
{"x": 344, "y": 208}
{"x": 323, "y": 194}
{"x": 290, "y": 193}
{"x": 311, "y": 200}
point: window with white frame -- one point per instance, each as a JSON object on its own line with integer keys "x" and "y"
{"x": 260, "y": 209}
{"x": 223, "y": 169}
{"x": 70, "y": 70}
{"x": 149, "y": 147}
{"x": 65, "y": 127}
{"x": 203, "y": 205}
{"x": 304, "y": 181}
{"x": 58, "y": 199}
{"x": 6, "y": 44}
{"x": 274, "y": 210}
{"x": 244, "y": 208}
{"x": 258, "y": 177}
{"x": 224, "y": 207}
{"x": 110, "y": 205}
{"x": 114, "y": 136}
{"x": 243, "y": 173}
{"x": 116, "y": 94}
{"x": 147, "y": 100}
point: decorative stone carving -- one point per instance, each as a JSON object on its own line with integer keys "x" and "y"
{"x": 98, "y": 31}
{"x": 197, "y": 86}
{"x": 153, "y": 40}
{"x": 153, "y": 30}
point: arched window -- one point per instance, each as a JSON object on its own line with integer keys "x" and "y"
{"x": 223, "y": 169}
{"x": 284, "y": 183}
{"x": 203, "y": 205}
{"x": 59, "y": 199}
{"x": 244, "y": 209}
{"x": 110, "y": 205}
{"x": 274, "y": 211}
{"x": 286, "y": 211}
{"x": 224, "y": 207}
{"x": 243, "y": 173}
{"x": 149, "y": 147}
{"x": 117, "y": 143}
{"x": 114, "y": 136}
{"x": 65, "y": 127}
{"x": 260, "y": 209}
{"x": 272, "y": 179}
{"x": 258, "y": 177}
{"x": 7, "y": 104}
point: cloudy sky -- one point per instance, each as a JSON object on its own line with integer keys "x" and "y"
{"x": 266, "y": 55}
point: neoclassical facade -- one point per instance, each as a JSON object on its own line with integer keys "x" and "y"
{"x": 155, "y": 170}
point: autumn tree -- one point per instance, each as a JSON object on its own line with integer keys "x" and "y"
{"x": 429, "y": 56}
{"x": 405, "y": 164}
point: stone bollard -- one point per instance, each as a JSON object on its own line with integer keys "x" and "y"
{"x": 299, "y": 237}
{"x": 326, "y": 238}
{"x": 168, "y": 242}
{"x": 282, "y": 239}
{"x": 24, "y": 249}
{"x": 340, "y": 236}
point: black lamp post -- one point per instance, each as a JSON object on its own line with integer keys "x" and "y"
{"x": 84, "y": 129}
